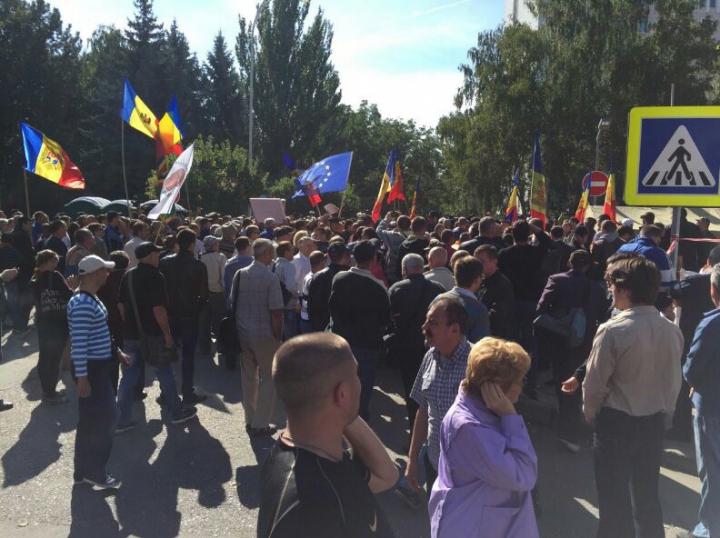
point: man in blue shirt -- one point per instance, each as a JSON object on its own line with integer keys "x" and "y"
{"x": 647, "y": 246}
{"x": 702, "y": 372}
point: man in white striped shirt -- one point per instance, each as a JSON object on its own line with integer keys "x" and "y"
{"x": 92, "y": 356}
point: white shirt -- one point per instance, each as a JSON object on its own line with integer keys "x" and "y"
{"x": 305, "y": 292}
{"x": 129, "y": 249}
{"x": 302, "y": 268}
{"x": 442, "y": 276}
{"x": 215, "y": 263}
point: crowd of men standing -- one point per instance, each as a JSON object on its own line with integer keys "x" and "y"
{"x": 468, "y": 311}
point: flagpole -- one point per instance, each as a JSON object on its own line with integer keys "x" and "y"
{"x": 27, "y": 196}
{"x": 187, "y": 193}
{"x": 122, "y": 146}
{"x": 342, "y": 202}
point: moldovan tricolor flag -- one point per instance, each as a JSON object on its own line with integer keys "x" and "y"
{"x": 511, "y": 213}
{"x": 609, "y": 208}
{"x": 413, "y": 209}
{"x": 168, "y": 137}
{"x": 136, "y": 113}
{"x": 584, "y": 199}
{"x": 538, "y": 191}
{"x": 47, "y": 159}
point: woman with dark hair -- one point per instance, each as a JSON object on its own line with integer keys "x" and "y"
{"x": 488, "y": 466}
{"x": 51, "y": 294}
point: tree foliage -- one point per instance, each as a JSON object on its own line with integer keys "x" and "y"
{"x": 588, "y": 60}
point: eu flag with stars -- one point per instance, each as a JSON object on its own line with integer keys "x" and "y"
{"x": 328, "y": 175}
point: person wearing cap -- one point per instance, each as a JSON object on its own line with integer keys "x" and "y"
{"x": 213, "y": 312}
{"x": 91, "y": 351}
{"x": 268, "y": 232}
{"x": 318, "y": 301}
{"x": 647, "y": 218}
{"x": 140, "y": 232}
{"x": 186, "y": 282}
{"x": 151, "y": 303}
{"x": 563, "y": 292}
{"x": 360, "y": 313}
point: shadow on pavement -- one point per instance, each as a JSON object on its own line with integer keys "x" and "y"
{"x": 37, "y": 447}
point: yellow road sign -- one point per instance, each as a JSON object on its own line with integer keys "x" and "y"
{"x": 673, "y": 156}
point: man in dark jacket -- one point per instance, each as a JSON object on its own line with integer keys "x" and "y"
{"x": 562, "y": 293}
{"x": 522, "y": 263}
{"x": 319, "y": 294}
{"x": 496, "y": 293}
{"x": 360, "y": 313}
{"x": 409, "y": 302}
{"x": 416, "y": 243}
{"x": 19, "y": 296}
{"x": 693, "y": 295}
{"x": 605, "y": 245}
{"x": 186, "y": 281}
{"x": 487, "y": 237}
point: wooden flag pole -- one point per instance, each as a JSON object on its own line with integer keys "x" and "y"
{"x": 342, "y": 202}
{"x": 27, "y": 196}
{"x": 187, "y": 193}
{"x": 122, "y": 146}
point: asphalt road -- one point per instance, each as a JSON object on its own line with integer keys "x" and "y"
{"x": 202, "y": 480}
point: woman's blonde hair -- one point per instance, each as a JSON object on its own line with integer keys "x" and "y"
{"x": 298, "y": 236}
{"x": 496, "y": 361}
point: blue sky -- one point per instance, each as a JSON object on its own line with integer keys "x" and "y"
{"x": 400, "y": 54}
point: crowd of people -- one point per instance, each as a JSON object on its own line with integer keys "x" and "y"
{"x": 468, "y": 311}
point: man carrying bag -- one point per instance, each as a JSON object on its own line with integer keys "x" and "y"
{"x": 143, "y": 307}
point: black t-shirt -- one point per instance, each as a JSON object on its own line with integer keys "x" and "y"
{"x": 51, "y": 295}
{"x": 304, "y": 495}
{"x": 149, "y": 287}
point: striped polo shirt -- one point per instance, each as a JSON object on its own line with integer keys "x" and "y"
{"x": 89, "y": 332}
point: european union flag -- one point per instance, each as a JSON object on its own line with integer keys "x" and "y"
{"x": 328, "y": 175}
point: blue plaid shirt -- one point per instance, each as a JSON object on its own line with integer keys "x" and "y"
{"x": 436, "y": 387}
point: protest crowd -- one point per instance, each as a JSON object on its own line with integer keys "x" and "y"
{"x": 468, "y": 311}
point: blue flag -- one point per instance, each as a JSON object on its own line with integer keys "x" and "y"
{"x": 328, "y": 175}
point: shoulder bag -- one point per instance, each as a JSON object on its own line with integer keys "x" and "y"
{"x": 152, "y": 347}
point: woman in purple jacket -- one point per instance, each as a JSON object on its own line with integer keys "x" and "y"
{"x": 487, "y": 463}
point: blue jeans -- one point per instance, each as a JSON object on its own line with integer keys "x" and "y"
{"x": 130, "y": 377}
{"x": 186, "y": 331}
{"x": 367, "y": 367}
{"x": 290, "y": 324}
{"x": 707, "y": 452}
{"x": 20, "y": 303}
{"x": 523, "y": 317}
{"x": 97, "y": 420}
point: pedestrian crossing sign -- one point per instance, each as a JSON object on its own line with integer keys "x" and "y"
{"x": 673, "y": 156}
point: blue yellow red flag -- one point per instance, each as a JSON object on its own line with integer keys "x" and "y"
{"x": 47, "y": 159}
{"x": 538, "y": 190}
{"x": 584, "y": 198}
{"x": 416, "y": 194}
{"x": 136, "y": 113}
{"x": 396, "y": 178}
{"x": 511, "y": 213}
{"x": 609, "y": 208}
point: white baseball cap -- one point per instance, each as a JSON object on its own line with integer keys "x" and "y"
{"x": 628, "y": 222}
{"x": 90, "y": 264}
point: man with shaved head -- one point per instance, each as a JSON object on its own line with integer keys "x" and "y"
{"x": 439, "y": 273}
{"x": 311, "y": 485}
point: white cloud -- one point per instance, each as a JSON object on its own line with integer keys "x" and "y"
{"x": 423, "y": 96}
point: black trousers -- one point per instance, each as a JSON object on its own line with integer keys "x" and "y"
{"x": 52, "y": 336}
{"x": 627, "y": 452}
{"x": 97, "y": 419}
{"x": 409, "y": 361}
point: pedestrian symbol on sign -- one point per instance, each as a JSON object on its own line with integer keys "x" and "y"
{"x": 680, "y": 164}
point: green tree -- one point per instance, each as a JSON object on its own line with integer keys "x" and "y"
{"x": 588, "y": 60}
{"x": 296, "y": 87}
{"x": 40, "y": 74}
{"x": 225, "y": 104}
